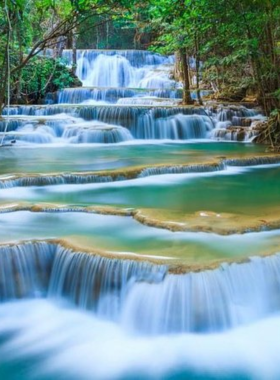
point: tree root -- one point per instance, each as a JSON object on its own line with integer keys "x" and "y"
{"x": 269, "y": 132}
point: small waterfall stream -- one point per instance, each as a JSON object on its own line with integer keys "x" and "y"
{"x": 25, "y": 270}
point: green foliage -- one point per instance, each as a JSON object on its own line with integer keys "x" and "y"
{"x": 42, "y": 75}
{"x": 103, "y": 32}
{"x": 27, "y": 27}
{"x": 234, "y": 39}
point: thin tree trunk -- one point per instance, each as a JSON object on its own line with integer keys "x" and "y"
{"x": 18, "y": 96}
{"x": 4, "y": 74}
{"x": 185, "y": 74}
{"x": 197, "y": 67}
{"x": 74, "y": 51}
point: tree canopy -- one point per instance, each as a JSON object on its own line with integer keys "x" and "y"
{"x": 238, "y": 41}
{"x": 236, "y": 44}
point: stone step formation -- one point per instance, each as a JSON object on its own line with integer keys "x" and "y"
{"x": 160, "y": 220}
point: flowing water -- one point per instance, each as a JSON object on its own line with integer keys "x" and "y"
{"x": 139, "y": 238}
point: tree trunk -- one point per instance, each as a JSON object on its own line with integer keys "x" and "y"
{"x": 74, "y": 51}
{"x": 185, "y": 75}
{"x": 4, "y": 73}
{"x": 197, "y": 64}
{"x": 18, "y": 96}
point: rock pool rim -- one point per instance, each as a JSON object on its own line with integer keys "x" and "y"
{"x": 175, "y": 269}
{"x": 135, "y": 172}
{"x": 139, "y": 215}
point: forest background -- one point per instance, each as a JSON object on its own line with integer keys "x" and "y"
{"x": 236, "y": 45}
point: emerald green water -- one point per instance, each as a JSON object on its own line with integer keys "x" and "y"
{"x": 249, "y": 191}
{"x": 47, "y": 159}
{"x": 49, "y": 339}
{"x": 123, "y": 234}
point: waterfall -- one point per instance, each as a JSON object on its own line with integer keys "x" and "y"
{"x": 143, "y": 296}
{"x": 207, "y": 301}
{"x": 86, "y": 178}
{"x": 114, "y": 95}
{"x": 126, "y": 89}
{"x": 79, "y": 95}
{"x": 56, "y": 179}
{"x": 130, "y": 117}
{"x": 117, "y": 68}
{"x": 98, "y": 283}
{"x": 96, "y": 133}
{"x": 137, "y": 58}
{"x": 25, "y": 270}
{"x": 235, "y": 115}
{"x": 148, "y": 101}
{"x": 232, "y": 134}
{"x": 252, "y": 161}
{"x": 179, "y": 127}
{"x": 111, "y": 124}
{"x": 12, "y": 125}
{"x": 74, "y": 178}
{"x": 181, "y": 169}
{"x": 109, "y": 71}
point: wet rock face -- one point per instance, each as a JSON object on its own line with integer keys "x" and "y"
{"x": 231, "y": 134}
{"x": 246, "y": 122}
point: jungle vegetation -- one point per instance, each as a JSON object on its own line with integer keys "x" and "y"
{"x": 236, "y": 43}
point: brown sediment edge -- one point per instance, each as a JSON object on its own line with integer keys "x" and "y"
{"x": 193, "y": 223}
{"x": 106, "y": 176}
{"x": 76, "y": 248}
{"x": 220, "y": 224}
{"x": 175, "y": 269}
{"x": 116, "y": 175}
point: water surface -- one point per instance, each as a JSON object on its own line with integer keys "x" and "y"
{"x": 125, "y": 235}
{"x": 38, "y": 159}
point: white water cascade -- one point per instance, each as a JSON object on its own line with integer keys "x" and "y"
{"x": 122, "y": 68}
{"x": 126, "y": 95}
{"x": 143, "y": 297}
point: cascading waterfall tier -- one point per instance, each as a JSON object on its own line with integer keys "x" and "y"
{"x": 75, "y": 178}
{"x": 98, "y": 283}
{"x": 207, "y": 301}
{"x": 47, "y": 180}
{"x": 96, "y": 132}
{"x": 142, "y": 295}
{"x": 127, "y": 78}
{"x": 112, "y": 95}
{"x": 25, "y": 269}
{"x": 9, "y": 181}
{"x": 110, "y": 124}
{"x": 121, "y": 68}
{"x": 136, "y": 58}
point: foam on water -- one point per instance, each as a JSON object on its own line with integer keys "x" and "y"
{"x": 53, "y": 341}
{"x": 143, "y": 296}
{"x": 143, "y": 122}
